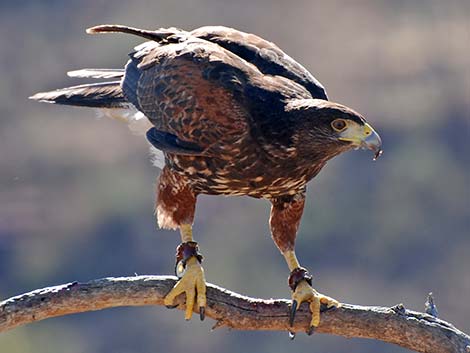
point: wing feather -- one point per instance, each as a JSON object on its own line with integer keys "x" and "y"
{"x": 208, "y": 96}
{"x": 192, "y": 90}
{"x": 265, "y": 55}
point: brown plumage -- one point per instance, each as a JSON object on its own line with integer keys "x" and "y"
{"x": 233, "y": 115}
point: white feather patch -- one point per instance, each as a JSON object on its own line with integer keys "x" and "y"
{"x": 158, "y": 158}
{"x": 135, "y": 119}
{"x": 138, "y": 124}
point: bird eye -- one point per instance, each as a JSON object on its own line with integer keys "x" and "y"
{"x": 338, "y": 124}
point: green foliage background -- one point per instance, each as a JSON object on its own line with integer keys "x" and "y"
{"x": 77, "y": 192}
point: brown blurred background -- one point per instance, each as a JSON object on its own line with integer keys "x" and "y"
{"x": 76, "y": 192}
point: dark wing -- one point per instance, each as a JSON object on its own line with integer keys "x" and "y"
{"x": 265, "y": 55}
{"x": 192, "y": 91}
{"x": 207, "y": 97}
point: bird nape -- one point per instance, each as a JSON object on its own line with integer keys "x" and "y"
{"x": 231, "y": 114}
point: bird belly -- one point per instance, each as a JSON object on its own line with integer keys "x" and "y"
{"x": 242, "y": 177}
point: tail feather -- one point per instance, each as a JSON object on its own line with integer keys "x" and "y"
{"x": 97, "y": 73}
{"x": 96, "y": 95}
{"x": 159, "y": 35}
{"x": 108, "y": 97}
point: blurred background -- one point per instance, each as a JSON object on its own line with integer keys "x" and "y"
{"x": 77, "y": 192}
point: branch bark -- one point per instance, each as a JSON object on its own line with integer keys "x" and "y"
{"x": 413, "y": 330}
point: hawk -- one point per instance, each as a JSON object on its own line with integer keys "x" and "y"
{"x": 230, "y": 114}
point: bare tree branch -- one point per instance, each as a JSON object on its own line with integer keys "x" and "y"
{"x": 416, "y": 331}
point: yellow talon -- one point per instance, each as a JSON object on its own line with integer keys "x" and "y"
{"x": 305, "y": 293}
{"x": 193, "y": 284}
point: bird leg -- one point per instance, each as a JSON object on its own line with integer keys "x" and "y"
{"x": 175, "y": 207}
{"x": 300, "y": 282}
{"x": 188, "y": 268}
{"x": 286, "y": 212}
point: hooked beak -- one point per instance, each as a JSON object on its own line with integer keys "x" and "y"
{"x": 364, "y": 137}
{"x": 373, "y": 142}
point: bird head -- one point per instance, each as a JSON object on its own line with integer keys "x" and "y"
{"x": 328, "y": 128}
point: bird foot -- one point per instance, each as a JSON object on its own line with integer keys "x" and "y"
{"x": 301, "y": 284}
{"x": 193, "y": 284}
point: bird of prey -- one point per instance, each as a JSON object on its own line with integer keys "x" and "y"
{"x": 230, "y": 114}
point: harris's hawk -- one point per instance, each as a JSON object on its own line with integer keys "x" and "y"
{"x": 230, "y": 114}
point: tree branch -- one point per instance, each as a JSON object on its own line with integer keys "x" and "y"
{"x": 413, "y": 330}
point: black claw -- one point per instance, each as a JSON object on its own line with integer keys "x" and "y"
{"x": 324, "y": 308}
{"x": 171, "y": 306}
{"x": 291, "y": 335}
{"x": 311, "y": 330}
{"x": 202, "y": 313}
{"x": 293, "y": 310}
